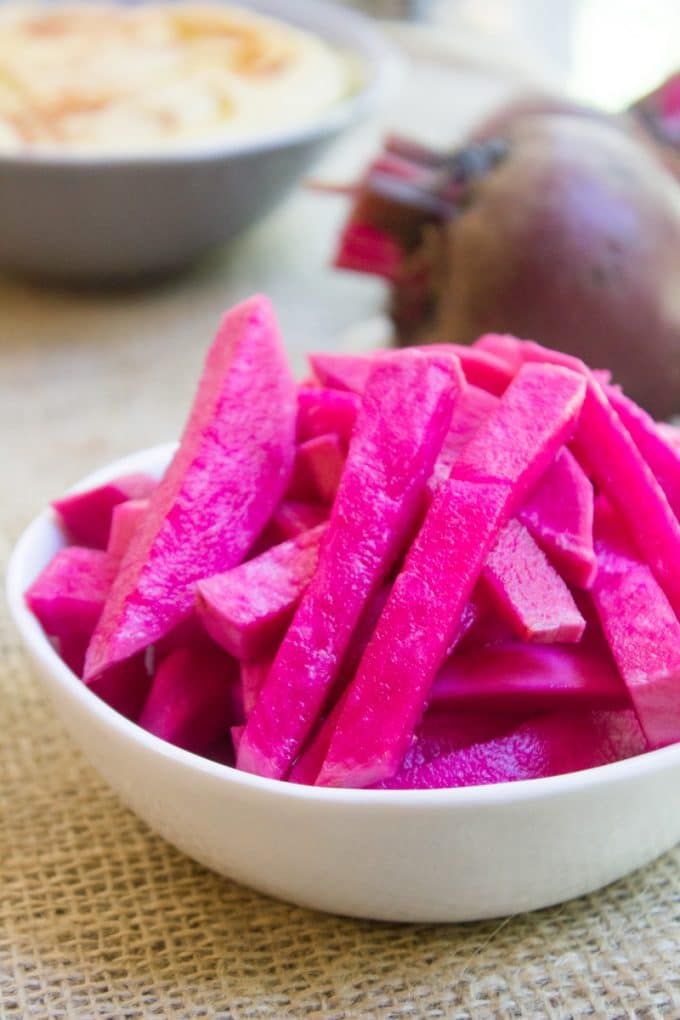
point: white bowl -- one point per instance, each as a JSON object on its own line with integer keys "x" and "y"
{"x": 100, "y": 218}
{"x": 415, "y": 855}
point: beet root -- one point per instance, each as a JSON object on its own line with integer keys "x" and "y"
{"x": 566, "y": 229}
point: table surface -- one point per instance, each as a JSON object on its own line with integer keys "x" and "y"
{"x": 98, "y": 916}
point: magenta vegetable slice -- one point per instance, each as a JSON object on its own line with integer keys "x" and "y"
{"x": 548, "y": 745}
{"x": 317, "y": 469}
{"x": 253, "y": 675}
{"x": 247, "y": 609}
{"x": 293, "y": 517}
{"x": 194, "y": 698}
{"x": 69, "y": 595}
{"x": 321, "y": 411}
{"x": 500, "y": 464}
{"x": 125, "y": 520}
{"x": 482, "y": 368}
{"x": 559, "y": 516}
{"x": 527, "y": 678}
{"x": 344, "y": 371}
{"x": 640, "y": 626}
{"x": 351, "y": 371}
{"x": 125, "y": 686}
{"x": 527, "y": 590}
{"x": 473, "y": 407}
{"x": 404, "y": 417}
{"x": 87, "y": 515}
{"x": 228, "y": 475}
{"x": 661, "y": 455}
{"x": 609, "y": 456}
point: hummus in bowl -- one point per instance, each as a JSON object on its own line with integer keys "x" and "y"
{"x": 110, "y": 77}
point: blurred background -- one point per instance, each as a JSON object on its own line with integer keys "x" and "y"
{"x": 603, "y": 51}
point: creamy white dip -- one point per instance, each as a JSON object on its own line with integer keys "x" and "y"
{"x": 112, "y": 78}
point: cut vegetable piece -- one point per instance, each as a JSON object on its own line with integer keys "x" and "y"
{"x": 125, "y": 520}
{"x": 293, "y": 517}
{"x": 559, "y": 516}
{"x": 404, "y": 417}
{"x": 502, "y": 346}
{"x": 529, "y": 678}
{"x": 473, "y": 407}
{"x": 253, "y": 676}
{"x": 502, "y": 461}
{"x": 344, "y": 371}
{"x": 351, "y": 371}
{"x": 306, "y": 768}
{"x": 69, "y": 595}
{"x": 417, "y": 627}
{"x": 125, "y": 687}
{"x": 322, "y": 411}
{"x": 228, "y": 475}
{"x": 317, "y": 469}
{"x": 236, "y": 734}
{"x": 609, "y": 456}
{"x": 662, "y": 457}
{"x": 641, "y": 627}
{"x": 194, "y": 698}
{"x": 538, "y": 412}
{"x": 549, "y": 745}
{"x": 247, "y": 609}
{"x": 87, "y": 515}
{"x": 482, "y": 368}
{"x": 528, "y": 592}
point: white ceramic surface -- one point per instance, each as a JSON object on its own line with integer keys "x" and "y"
{"x": 93, "y": 219}
{"x": 440, "y": 855}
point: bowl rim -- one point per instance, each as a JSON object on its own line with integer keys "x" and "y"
{"x": 152, "y": 459}
{"x": 382, "y": 66}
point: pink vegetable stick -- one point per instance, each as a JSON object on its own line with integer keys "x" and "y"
{"x": 69, "y": 595}
{"x": 548, "y": 745}
{"x": 528, "y": 592}
{"x": 253, "y": 676}
{"x": 502, "y": 461}
{"x": 125, "y": 520}
{"x": 608, "y": 454}
{"x": 344, "y": 371}
{"x": 642, "y": 630}
{"x": 248, "y": 608}
{"x": 482, "y": 368}
{"x": 203, "y": 516}
{"x": 125, "y": 686}
{"x": 530, "y": 678}
{"x": 404, "y": 416}
{"x": 293, "y": 517}
{"x": 473, "y": 407}
{"x": 559, "y": 516}
{"x": 87, "y": 515}
{"x": 193, "y": 698}
{"x": 326, "y": 410}
{"x": 661, "y": 455}
{"x": 351, "y": 371}
{"x": 317, "y": 469}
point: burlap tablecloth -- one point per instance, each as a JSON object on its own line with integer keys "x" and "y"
{"x": 101, "y": 918}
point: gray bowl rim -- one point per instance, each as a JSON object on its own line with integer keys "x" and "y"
{"x": 381, "y": 61}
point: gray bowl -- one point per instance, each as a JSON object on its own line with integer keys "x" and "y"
{"x": 111, "y": 218}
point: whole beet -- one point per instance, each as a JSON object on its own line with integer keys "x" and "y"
{"x": 565, "y": 230}
{"x": 572, "y": 239}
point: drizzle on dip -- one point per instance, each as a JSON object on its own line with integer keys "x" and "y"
{"x": 107, "y": 78}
